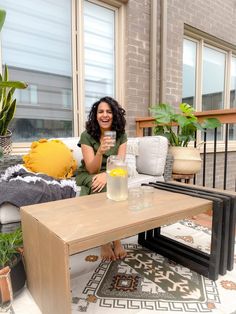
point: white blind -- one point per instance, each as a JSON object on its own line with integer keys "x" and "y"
{"x": 35, "y": 35}
{"x": 99, "y": 52}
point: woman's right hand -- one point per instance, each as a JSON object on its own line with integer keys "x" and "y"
{"x": 105, "y": 145}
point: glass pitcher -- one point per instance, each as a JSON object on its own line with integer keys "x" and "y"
{"x": 117, "y": 178}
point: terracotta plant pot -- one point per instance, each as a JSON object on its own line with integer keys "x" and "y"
{"x": 187, "y": 160}
{"x": 5, "y": 289}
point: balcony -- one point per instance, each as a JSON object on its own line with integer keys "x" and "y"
{"x": 218, "y": 148}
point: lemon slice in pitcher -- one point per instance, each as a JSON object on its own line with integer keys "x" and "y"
{"x": 118, "y": 172}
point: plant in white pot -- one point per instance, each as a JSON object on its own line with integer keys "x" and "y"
{"x": 180, "y": 129}
{"x": 7, "y": 101}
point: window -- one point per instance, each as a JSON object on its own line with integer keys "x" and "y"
{"x": 207, "y": 84}
{"x": 233, "y": 84}
{"x": 189, "y": 72}
{"x": 67, "y": 52}
{"x": 99, "y": 53}
{"x": 36, "y": 46}
{"x": 213, "y": 79}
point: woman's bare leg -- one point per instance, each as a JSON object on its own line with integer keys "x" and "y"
{"x": 107, "y": 253}
{"x": 119, "y": 251}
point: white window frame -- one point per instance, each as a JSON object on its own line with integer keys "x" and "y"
{"x": 206, "y": 40}
{"x": 78, "y": 57}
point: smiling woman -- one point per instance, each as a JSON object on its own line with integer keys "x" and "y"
{"x": 105, "y": 115}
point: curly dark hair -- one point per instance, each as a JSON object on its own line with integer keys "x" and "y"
{"x": 118, "y": 122}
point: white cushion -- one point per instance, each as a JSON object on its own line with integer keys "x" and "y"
{"x": 133, "y": 146}
{"x": 9, "y": 213}
{"x": 152, "y": 155}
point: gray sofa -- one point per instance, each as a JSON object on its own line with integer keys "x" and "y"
{"x": 147, "y": 161}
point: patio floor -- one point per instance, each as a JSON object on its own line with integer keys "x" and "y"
{"x": 145, "y": 281}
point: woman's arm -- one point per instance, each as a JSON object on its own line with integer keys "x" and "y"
{"x": 93, "y": 161}
{"x": 122, "y": 150}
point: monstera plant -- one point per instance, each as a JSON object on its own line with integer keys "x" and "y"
{"x": 166, "y": 118}
{"x": 180, "y": 127}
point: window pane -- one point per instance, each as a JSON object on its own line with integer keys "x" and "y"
{"x": 99, "y": 52}
{"x": 232, "y": 127}
{"x": 213, "y": 79}
{"x": 189, "y": 72}
{"x": 36, "y": 46}
{"x": 233, "y": 84}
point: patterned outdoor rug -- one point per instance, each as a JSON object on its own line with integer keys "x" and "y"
{"x": 147, "y": 282}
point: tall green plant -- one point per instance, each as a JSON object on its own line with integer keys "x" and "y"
{"x": 7, "y": 89}
{"x": 167, "y": 119}
{"x": 9, "y": 245}
{"x": 7, "y": 100}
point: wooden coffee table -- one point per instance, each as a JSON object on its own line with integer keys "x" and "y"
{"x": 54, "y": 231}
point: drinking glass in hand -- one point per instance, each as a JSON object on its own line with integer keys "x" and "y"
{"x": 112, "y": 135}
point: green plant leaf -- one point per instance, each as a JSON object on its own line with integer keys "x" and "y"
{"x": 9, "y": 116}
{"x": 9, "y": 243}
{"x": 163, "y": 113}
{"x": 186, "y": 109}
{"x": 211, "y": 123}
{"x": 15, "y": 84}
{"x": 6, "y": 74}
{"x": 2, "y": 18}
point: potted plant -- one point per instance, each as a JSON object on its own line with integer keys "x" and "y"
{"x": 180, "y": 128}
{"x": 7, "y": 101}
{"x": 11, "y": 264}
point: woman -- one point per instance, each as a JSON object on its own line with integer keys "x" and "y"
{"x": 105, "y": 115}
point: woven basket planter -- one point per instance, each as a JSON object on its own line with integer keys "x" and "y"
{"x": 187, "y": 160}
{"x": 6, "y": 143}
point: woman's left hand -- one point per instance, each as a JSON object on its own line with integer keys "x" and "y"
{"x": 99, "y": 181}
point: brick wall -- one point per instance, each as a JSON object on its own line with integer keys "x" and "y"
{"x": 137, "y": 61}
{"x": 215, "y": 17}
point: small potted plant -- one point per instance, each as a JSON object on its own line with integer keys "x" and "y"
{"x": 7, "y": 101}
{"x": 180, "y": 129}
{"x": 11, "y": 264}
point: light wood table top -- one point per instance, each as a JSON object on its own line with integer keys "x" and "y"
{"x": 90, "y": 221}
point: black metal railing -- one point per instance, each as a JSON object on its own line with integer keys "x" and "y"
{"x": 218, "y": 153}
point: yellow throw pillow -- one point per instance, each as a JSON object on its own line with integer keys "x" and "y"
{"x": 52, "y": 157}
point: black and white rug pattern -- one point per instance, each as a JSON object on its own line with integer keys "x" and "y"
{"x": 145, "y": 281}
